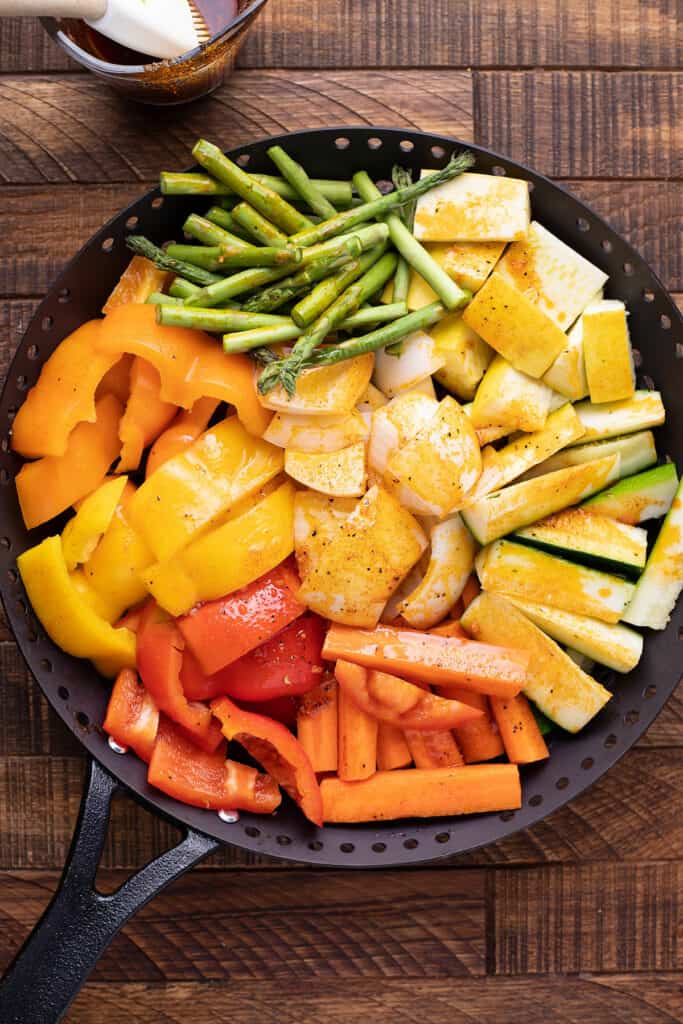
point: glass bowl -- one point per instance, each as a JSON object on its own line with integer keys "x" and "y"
{"x": 163, "y": 82}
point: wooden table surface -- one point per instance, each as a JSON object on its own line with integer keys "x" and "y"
{"x": 577, "y": 919}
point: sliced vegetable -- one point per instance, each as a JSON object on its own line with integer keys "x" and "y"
{"x": 433, "y": 750}
{"x": 660, "y": 585}
{"x": 562, "y": 691}
{"x": 474, "y": 207}
{"x": 303, "y": 433}
{"x": 113, "y": 570}
{"x": 466, "y": 355}
{"x": 592, "y": 539}
{"x": 479, "y": 740}
{"x": 136, "y": 284}
{"x": 221, "y": 632}
{"x": 325, "y": 391}
{"x": 183, "y": 431}
{"x": 67, "y": 619}
{"x": 116, "y": 380}
{"x": 610, "y": 419}
{"x": 614, "y": 645}
{"x": 568, "y": 372}
{"x": 132, "y": 715}
{"x": 429, "y": 658}
{"x": 521, "y": 736}
{"x": 64, "y": 395}
{"x": 451, "y": 561}
{"x": 83, "y": 532}
{"x": 317, "y": 725}
{"x": 179, "y": 769}
{"x": 340, "y": 474}
{"x": 638, "y": 498}
{"x": 637, "y": 452}
{"x": 357, "y": 740}
{"x": 280, "y": 753}
{"x": 520, "y": 571}
{"x": 145, "y": 416}
{"x": 508, "y": 398}
{"x": 47, "y": 487}
{"x": 520, "y": 504}
{"x": 417, "y": 361}
{"x": 413, "y": 793}
{"x": 607, "y": 352}
{"x": 467, "y": 263}
{"x": 392, "y": 749}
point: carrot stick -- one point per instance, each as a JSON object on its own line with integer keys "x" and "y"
{"x": 357, "y": 741}
{"x": 434, "y": 749}
{"x": 433, "y": 659}
{"x": 480, "y": 739}
{"x": 470, "y": 591}
{"x": 412, "y": 793}
{"x": 392, "y": 749}
{"x": 316, "y": 726}
{"x": 519, "y": 729}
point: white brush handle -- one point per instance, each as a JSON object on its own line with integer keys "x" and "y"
{"x": 91, "y": 9}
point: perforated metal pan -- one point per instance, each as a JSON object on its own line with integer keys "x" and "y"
{"x": 79, "y": 923}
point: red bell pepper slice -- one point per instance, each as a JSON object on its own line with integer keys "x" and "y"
{"x": 159, "y": 660}
{"x": 280, "y": 753}
{"x": 132, "y": 715}
{"x": 219, "y": 632}
{"x": 197, "y": 686}
{"x": 207, "y": 780}
{"x": 282, "y": 709}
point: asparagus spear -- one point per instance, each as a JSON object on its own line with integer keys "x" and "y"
{"x": 229, "y": 257}
{"x": 383, "y": 205}
{"x": 210, "y": 233}
{"x": 448, "y": 291}
{"x": 216, "y": 320}
{"x": 161, "y": 299}
{"x": 401, "y": 179}
{"x": 224, "y": 219}
{"x": 261, "y": 337}
{"x": 291, "y": 287}
{"x": 338, "y": 192}
{"x": 249, "y": 280}
{"x": 258, "y": 226}
{"x": 196, "y": 275}
{"x": 267, "y": 202}
{"x": 300, "y": 182}
{"x": 181, "y": 288}
{"x": 312, "y": 305}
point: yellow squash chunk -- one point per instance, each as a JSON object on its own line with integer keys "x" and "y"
{"x": 486, "y": 435}
{"x": 316, "y": 433}
{"x": 474, "y": 208}
{"x": 316, "y": 518}
{"x": 67, "y": 619}
{"x": 555, "y": 278}
{"x": 340, "y": 474}
{"x": 519, "y": 504}
{"x": 372, "y": 398}
{"x": 228, "y": 557}
{"x": 500, "y": 467}
{"x": 508, "y": 398}
{"x": 568, "y": 373}
{"x": 194, "y": 488}
{"x": 326, "y": 391}
{"x": 466, "y": 356}
{"x": 520, "y": 571}
{"x": 467, "y": 263}
{"x": 350, "y": 572}
{"x": 512, "y": 324}
{"x": 554, "y": 682}
{"x": 113, "y": 569}
{"x": 451, "y": 561}
{"x": 83, "y": 532}
{"x": 441, "y": 463}
{"x": 607, "y": 352}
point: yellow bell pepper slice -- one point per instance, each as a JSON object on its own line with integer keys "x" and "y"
{"x": 67, "y": 619}
{"x": 228, "y": 557}
{"x": 113, "y": 570}
{"x": 98, "y": 602}
{"x": 81, "y": 534}
{"x": 193, "y": 489}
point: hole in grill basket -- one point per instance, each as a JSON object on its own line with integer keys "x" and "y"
{"x": 283, "y": 840}
{"x": 628, "y": 268}
{"x": 12, "y": 412}
{"x": 12, "y": 575}
{"x": 82, "y": 719}
{"x": 438, "y": 152}
{"x": 31, "y": 636}
{"x": 316, "y": 846}
{"x": 648, "y": 295}
{"x": 132, "y": 223}
{"x": 22, "y": 382}
{"x": 244, "y": 160}
{"x": 632, "y": 717}
{"x": 587, "y": 763}
{"x": 610, "y": 741}
{"x": 679, "y": 350}
{"x": 406, "y": 146}
{"x": 342, "y": 142}
{"x": 32, "y": 352}
{"x": 47, "y": 323}
{"x": 506, "y": 815}
{"x": 582, "y": 224}
{"x": 665, "y": 322}
{"x": 5, "y": 543}
{"x": 46, "y": 665}
{"x": 410, "y": 844}
{"x": 651, "y": 691}
{"x": 252, "y": 831}
{"x": 108, "y": 245}
{"x": 385, "y": 186}
{"x": 374, "y": 143}
{"x": 498, "y": 170}
{"x": 4, "y": 476}
{"x": 606, "y": 245}
{"x": 648, "y": 382}
{"x": 562, "y": 782}
{"x": 64, "y": 295}
{"x": 637, "y": 357}
{"x": 157, "y": 202}
{"x": 347, "y": 847}
{"x": 63, "y": 692}
{"x": 442, "y": 837}
{"x": 536, "y": 800}
{"x": 379, "y": 847}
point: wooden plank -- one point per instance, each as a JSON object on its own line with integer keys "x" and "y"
{"x": 591, "y": 917}
{"x": 71, "y": 129}
{"x": 635, "y": 813}
{"x": 391, "y": 33}
{"x": 583, "y": 124}
{"x": 330, "y": 924}
{"x": 612, "y": 999}
{"x": 44, "y": 226}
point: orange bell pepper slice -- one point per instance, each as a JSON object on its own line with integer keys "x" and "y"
{"x": 132, "y": 715}
{"x": 50, "y": 485}
{"x": 183, "y": 431}
{"x": 146, "y": 414}
{"x": 140, "y": 278}
{"x": 116, "y": 380}
{"x": 64, "y": 394}
{"x": 191, "y": 364}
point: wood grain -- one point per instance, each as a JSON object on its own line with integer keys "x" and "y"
{"x": 583, "y": 124}
{"x": 71, "y": 129}
{"x": 436, "y": 33}
{"x": 614, "y": 999}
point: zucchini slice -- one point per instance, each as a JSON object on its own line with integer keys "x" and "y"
{"x": 645, "y": 409}
{"x": 607, "y": 351}
{"x": 592, "y": 539}
{"x": 613, "y": 645}
{"x": 638, "y": 498}
{"x": 660, "y": 585}
{"x": 556, "y": 685}
{"x": 531, "y": 575}
{"x": 637, "y": 452}
{"x": 508, "y": 398}
{"x": 568, "y": 373}
{"x": 521, "y": 504}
